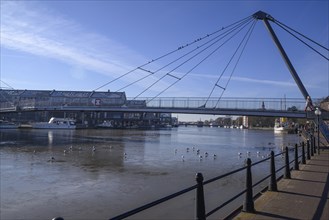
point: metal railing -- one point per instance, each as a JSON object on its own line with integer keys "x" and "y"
{"x": 171, "y": 102}
{"x": 226, "y": 103}
{"x": 248, "y": 204}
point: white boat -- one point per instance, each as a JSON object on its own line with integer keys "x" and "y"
{"x": 56, "y": 123}
{"x": 8, "y": 125}
{"x": 105, "y": 124}
{"x": 280, "y": 129}
{"x": 281, "y": 126}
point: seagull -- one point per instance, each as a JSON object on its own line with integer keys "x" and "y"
{"x": 206, "y": 154}
{"x": 200, "y": 157}
{"x": 94, "y": 148}
{"x": 215, "y": 156}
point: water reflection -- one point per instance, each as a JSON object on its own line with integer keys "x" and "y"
{"x": 50, "y": 138}
{"x": 127, "y": 167}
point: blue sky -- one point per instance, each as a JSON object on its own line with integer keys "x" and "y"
{"x": 80, "y": 45}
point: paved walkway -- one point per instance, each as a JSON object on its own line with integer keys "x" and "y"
{"x": 304, "y": 196}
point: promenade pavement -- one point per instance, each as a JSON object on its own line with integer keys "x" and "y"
{"x": 304, "y": 196}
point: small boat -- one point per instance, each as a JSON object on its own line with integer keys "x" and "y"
{"x": 282, "y": 126}
{"x": 56, "y": 123}
{"x": 199, "y": 124}
{"x": 8, "y": 125}
{"x": 105, "y": 124}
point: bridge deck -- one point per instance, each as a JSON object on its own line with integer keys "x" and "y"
{"x": 304, "y": 196}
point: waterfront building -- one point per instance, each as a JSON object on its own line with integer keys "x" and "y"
{"x": 19, "y": 99}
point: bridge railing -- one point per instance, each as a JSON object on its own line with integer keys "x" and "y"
{"x": 281, "y": 104}
{"x": 248, "y": 204}
{"x": 227, "y": 103}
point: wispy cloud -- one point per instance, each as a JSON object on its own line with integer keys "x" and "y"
{"x": 42, "y": 32}
{"x": 262, "y": 81}
{"x": 250, "y": 80}
{"x": 29, "y": 28}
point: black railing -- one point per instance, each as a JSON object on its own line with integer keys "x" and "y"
{"x": 248, "y": 204}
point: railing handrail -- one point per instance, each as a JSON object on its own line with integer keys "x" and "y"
{"x": 174, "y": 195}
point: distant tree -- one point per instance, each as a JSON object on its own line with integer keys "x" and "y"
{"x": 292, "y": 109}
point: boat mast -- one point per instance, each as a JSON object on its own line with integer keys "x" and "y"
{"x": 260, "y": 15}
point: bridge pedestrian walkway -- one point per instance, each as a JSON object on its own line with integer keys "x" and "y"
{"x": 304, "y": 196}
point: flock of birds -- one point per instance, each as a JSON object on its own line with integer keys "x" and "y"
{"x": 197, "y": 152}
{"x": 70, "y": 149}
{"x": 201, "y": 156}
{"x": 204, "y": 155}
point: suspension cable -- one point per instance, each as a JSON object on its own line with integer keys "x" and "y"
{"x": 216, "y": 49}
{"x": 179, "y": 58}
{"x": 236, "y": 64}
{"x": 276, "y": 21}
{"x": 228, "y": 64}
{"x": 279, "y": 24}
{"x": 171, "y": 52}
{"x": 9, "y": 86}
{"x": 168, "y": 73}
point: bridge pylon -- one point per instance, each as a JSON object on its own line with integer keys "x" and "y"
{"x": 260, "y": 15}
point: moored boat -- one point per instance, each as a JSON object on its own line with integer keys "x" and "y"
{"x": 281, "y": 126}
{"x": 105, "y": 124}
{"x": 8, "y": 125}
{"x": 56, "y": 123}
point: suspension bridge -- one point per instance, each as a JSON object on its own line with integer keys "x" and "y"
{"x": 175, "y": 66}
{"x": 197, "y": 51}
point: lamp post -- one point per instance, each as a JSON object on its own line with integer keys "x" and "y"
{"x": 318, "y": 113}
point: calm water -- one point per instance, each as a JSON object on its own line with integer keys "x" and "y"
{"x": 128, "y": 168}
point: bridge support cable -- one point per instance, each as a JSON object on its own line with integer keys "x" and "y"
{"x": 205, "y": 58}
{"x": 266, "y": 17}
{"x": 222, "y": 36}
{"x": 245, "y": 39}
{"x": 309, "y": 46}
{"x": 278, "y": 22}
{"x": 3, "y": 82}
{"x": 171, "y": 52}
{"x": 198, "y": 47}
{"x": 232, "y": 30}
{"x": 236, "y": 64}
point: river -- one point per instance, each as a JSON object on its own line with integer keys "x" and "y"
{"x": 98, "y": 174}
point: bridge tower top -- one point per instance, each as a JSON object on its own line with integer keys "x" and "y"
{"x": 260, "y": 15}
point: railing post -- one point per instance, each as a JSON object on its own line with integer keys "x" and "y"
{"x": 287, "y": 168}
{"x": 296, "y": 165}
{"x": 312, "y": 148}
{"x": 200, "y": 206}
{"x": 248, "y": 205}
{"x": 314, "y": 145}
{"x": 303, "y": 153}
{"x": 308, "y": 149}
{"x": 272, "y": 186}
